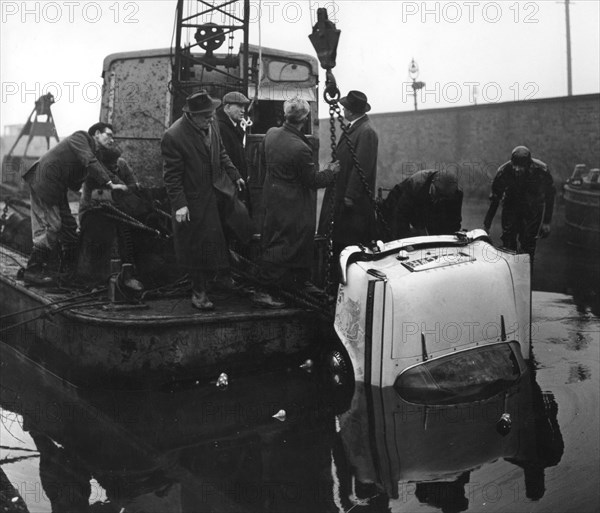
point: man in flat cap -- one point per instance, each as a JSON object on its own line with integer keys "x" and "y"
{"x": 429, "y": 202}
{"x": 230, "y": 118}
{"x": 201, "y": 180}
{"x": 232, "y": 133}
{"x": 354, "y": 216}
{"x": 526, "y": 189}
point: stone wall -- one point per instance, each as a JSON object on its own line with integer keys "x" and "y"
{"x": 477, "y": 139}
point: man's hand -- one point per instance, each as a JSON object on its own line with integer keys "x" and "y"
{"x": 182, "y": 215}
{"x": 348, "y": 202}
{"x": 544, "y": 230}
{"x": 118, "y": 187}
{"x": 334, "y": 166}
{"x": 241, "y": 185}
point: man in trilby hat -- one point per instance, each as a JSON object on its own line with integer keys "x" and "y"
{"x": 354, "y": 216}
{"x": 201, "y": 181}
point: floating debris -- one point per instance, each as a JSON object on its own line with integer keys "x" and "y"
{"x": 308, "y": 365}
{"x": 223, "y": 381}
{"x": 280, "y": 416}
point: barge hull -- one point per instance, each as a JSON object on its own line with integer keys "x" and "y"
{"x": 168, "y": 341}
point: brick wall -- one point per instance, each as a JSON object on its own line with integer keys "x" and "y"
{"x": 477, "y": 139}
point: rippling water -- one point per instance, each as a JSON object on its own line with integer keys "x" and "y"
{"x": 279, "y": 442}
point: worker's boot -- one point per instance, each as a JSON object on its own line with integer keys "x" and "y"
{"x": 37, "y": 273}
{"x": 129, "y": 280}
{"x": 265, "y": 300}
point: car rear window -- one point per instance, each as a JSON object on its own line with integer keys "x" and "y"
{"x": 475, "y": 374}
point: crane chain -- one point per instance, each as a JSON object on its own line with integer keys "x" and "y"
{"x": 331, "y": 203}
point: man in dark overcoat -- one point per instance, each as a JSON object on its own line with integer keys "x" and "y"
{"x": 427, "y": 203}
{"x": 354, "y": 216}
{"x": 289, "y": 200}
{"x": 526, "y": 189}
{"x": 230, "y": 118}
{"x": 232, "y": 133}
{"x": 201, "y": 184}
{"x": 63, "y": 167}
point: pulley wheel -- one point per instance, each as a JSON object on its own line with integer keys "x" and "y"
{"x": 210, "y": 36}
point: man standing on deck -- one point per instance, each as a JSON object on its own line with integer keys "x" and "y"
{"x": 354, "y": 215}
{"x": 201, "y": 180}
{"x": 526, "y": 189}
{"x": 289, "y": 201}
{"x": 63, "y": 167}
{"x": 232, "y": 133}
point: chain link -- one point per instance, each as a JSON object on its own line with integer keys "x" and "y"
{"x": 331, "y": 203}
{"x": 4, "y": 213}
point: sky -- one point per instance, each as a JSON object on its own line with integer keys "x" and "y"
{"x": 467, "y": 51}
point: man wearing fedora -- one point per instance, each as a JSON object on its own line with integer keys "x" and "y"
{"x": 429, "y": 202}
{"x": 201, "y": 181}
{"x": 354, "y": 217}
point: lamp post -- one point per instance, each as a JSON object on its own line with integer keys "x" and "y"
{"x": 413, "y": 73}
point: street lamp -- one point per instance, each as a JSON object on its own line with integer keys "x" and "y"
{"x": 413, "y": 73}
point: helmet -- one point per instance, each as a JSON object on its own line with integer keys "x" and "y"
{"x": 521, "y": 156}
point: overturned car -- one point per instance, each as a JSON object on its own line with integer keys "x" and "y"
{"x": 441, "y": 319}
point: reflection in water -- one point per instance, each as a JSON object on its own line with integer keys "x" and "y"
{"x": 579, "y": 373}
{"x": 201, "y": 449}
{"x": 395, "y": 451}
{"x": 578, "y": 342}
{"x": 445, "y": 495}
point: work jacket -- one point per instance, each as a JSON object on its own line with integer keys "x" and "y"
{"x": 64, "y": 167}
{"x": 529, "y": 193}
{"x": 410, "y": 208}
